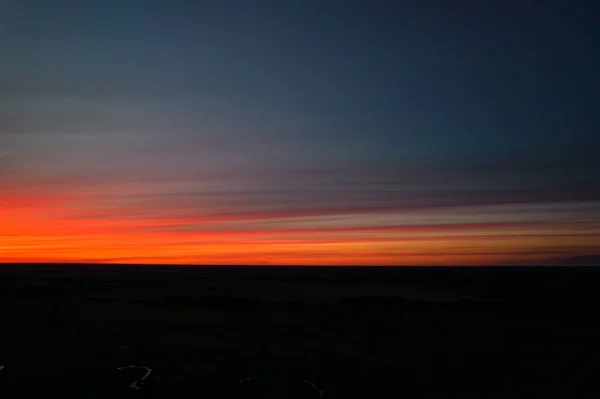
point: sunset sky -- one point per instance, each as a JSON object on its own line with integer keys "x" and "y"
{"x": 299, "y": 132}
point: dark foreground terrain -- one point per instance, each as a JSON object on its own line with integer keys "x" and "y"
{"x": 353, "y": 332}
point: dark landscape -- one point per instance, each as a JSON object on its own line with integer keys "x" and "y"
{"x": 353, "y": 331}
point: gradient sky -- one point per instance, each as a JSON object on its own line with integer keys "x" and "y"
{"x": 315, "y": 132}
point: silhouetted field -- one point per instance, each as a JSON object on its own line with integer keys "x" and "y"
{"x": 357, "y": 332}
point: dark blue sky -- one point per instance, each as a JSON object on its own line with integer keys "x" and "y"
{"x": 256, "y": 106}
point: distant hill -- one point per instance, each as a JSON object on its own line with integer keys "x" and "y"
{"x": 586, "y": 260}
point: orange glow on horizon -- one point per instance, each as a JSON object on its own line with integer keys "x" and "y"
{"x": 52, "y": 229}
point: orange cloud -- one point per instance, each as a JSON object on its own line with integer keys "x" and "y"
{"x": 84, "y": 227}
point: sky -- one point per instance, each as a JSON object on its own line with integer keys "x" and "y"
{"x": 289, "y": 132}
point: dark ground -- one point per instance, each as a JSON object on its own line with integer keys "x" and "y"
{"x": 504, "y": 332}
